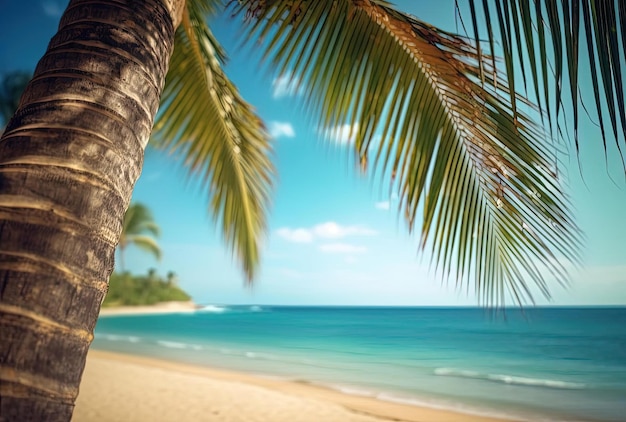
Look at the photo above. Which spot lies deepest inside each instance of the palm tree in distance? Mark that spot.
(172, 278)
(432, 112)
(139, 229)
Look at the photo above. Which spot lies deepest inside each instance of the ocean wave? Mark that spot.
(455, 407)
(264, 356)
(422, 402)
(116, 337)
(456, 373)
(410, 401)
(271, 357)
(178, 345)
(249, 354)
(510, 379)
(219, 309)
(354, 391)
(213, 309)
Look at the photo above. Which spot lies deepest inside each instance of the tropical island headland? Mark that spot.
(145, 294)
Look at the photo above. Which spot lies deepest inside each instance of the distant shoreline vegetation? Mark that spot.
(126, 289)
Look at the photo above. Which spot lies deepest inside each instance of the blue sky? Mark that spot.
(335, 236)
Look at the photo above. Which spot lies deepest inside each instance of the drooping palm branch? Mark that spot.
(204, 119)
(139, 229)
(468, 164)
(549, 33)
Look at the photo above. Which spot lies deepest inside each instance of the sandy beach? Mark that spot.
(118, 387)
(159, 308)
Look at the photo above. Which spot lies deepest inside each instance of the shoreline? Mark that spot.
(172, 307)
(129, 387)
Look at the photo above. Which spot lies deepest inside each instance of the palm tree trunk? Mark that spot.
(69, 159)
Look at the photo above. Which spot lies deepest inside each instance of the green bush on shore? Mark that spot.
(126, 289)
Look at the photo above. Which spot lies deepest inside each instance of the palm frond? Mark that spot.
(145, 243)
(204, 119)
(460, 153)
(137, 220)
(551, 32)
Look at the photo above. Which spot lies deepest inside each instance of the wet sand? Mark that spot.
(118, 387)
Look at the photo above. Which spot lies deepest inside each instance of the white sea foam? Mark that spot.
(268, 357)
(353, 391)
(457, 407)
(247, 354)
(510, 379)
(179, 345)
(456, 372)
(415, 401)
(172, 344)
(263, 356)
(116, 337)
(213, 309)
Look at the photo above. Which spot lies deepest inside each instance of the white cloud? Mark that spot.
(328, 230)
(280, 129)
(332, 230)
(52, 9)
(342, 134)
(295, 235)
(286, 85)
(342, 248)
(383, 205)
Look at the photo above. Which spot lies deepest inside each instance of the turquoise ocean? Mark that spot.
(545, 364)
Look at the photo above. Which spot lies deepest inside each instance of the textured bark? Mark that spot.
(69, 159)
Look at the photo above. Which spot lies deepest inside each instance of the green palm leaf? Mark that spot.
(138, 224)
(551, 31)
(204, 119)
(145, 243)
(138, 219)
(462, 156)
